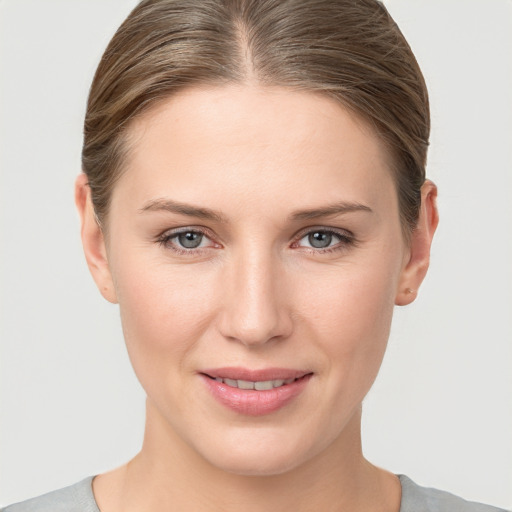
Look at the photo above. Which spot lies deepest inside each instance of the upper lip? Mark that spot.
(239, 373)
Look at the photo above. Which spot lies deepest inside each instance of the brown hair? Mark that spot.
(350, 50)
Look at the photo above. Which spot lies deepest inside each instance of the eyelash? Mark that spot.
(346, 240)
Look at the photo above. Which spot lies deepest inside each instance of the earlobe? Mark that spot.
(416, 266)
(93, 240)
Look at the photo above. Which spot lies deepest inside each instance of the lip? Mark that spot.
(251, 402)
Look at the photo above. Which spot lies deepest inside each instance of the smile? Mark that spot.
(261, 385)
(255, 392)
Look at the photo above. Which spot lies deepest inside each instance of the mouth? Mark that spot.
(258, 385)
(255, 392)
(259, 380)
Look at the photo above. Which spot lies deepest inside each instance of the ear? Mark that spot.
(418, 259)
(93, 240)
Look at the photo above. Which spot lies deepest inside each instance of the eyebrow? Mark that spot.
(332, 209)
(169, 205)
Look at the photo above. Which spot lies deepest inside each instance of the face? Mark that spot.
(254, 242)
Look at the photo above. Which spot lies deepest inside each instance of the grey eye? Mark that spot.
(190, 239)
(320, 239)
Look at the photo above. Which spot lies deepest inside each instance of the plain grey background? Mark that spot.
(441, 409)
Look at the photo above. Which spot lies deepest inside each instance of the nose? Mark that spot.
(255, 306)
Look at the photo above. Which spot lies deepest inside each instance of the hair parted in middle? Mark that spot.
(349, 50)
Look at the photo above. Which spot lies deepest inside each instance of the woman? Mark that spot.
(254, 198)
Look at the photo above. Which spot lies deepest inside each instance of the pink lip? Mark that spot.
(252, 402)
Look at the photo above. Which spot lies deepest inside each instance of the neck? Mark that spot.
(168, 474)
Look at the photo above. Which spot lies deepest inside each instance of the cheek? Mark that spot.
(351, 298)
(350, 312)
(164, 311)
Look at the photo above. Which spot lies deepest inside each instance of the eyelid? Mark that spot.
(185, 229)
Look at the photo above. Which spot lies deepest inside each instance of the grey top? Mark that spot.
(79, 498)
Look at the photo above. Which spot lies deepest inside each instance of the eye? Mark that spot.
(320, 239)
(325, 239)
(185, 240)
(190, 239)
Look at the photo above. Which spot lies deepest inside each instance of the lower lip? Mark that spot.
(255, 403)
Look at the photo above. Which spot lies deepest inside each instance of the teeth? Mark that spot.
(259, 385)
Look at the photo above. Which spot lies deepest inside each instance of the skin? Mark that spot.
(256, 294)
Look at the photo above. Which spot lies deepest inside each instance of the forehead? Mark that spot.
(258, 142)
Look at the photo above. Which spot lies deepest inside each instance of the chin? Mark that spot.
(260, 465)
(256, 454)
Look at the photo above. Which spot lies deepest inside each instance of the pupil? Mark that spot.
(320, 239)
(190, 240)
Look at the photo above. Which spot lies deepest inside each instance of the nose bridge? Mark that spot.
(254, 311)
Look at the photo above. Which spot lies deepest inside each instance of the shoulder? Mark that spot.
(75, 498)
(425, 499)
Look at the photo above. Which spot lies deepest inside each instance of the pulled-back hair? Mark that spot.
(350, 50)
